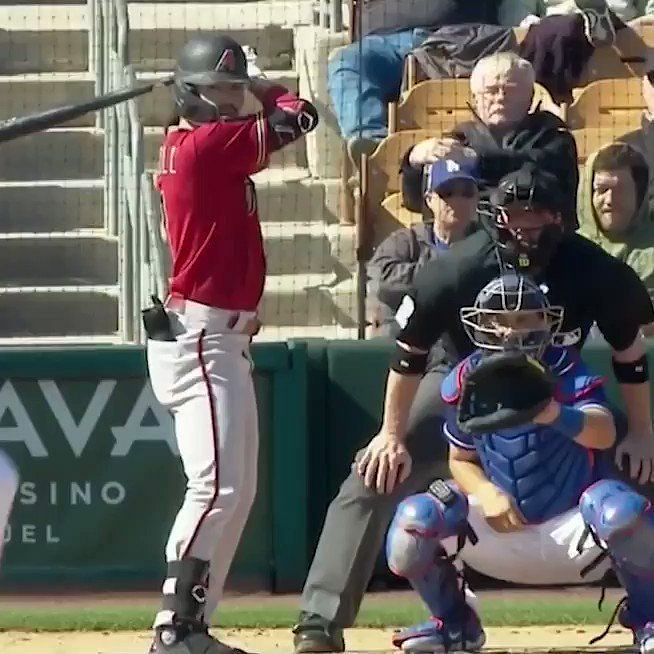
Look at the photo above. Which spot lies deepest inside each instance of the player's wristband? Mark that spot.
(631, 372)
(570, 422)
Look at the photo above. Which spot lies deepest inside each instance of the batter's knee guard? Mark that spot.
(414, 550)
(623, 520)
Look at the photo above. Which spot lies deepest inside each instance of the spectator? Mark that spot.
(503, 136)
(365, 76)
(451, 197)
(614, 207)
(643, 138)
(628, 11)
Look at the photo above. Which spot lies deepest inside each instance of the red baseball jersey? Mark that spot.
(209, 200)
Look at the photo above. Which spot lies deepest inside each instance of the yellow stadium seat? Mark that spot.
(441, 104)
(608, 103)
(380, 179)
(590, 139)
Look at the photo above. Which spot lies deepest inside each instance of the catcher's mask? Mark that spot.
(512, 313)
(525, 211)
(206, 64)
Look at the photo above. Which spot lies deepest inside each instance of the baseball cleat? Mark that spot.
(644, 638)
(167, 640)
(598, 26)
(314, 634)
(438, 637)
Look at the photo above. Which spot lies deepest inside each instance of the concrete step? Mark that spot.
(279, 333)
(157, 49)
(58, 259)
(220, 16)
(51, 206)
(77, 153)
(292, 156)
(285, 194)
(155, 108)
(296, 247)
(58, 311)
(26, 94)
(43, 38)
(296, 300)
(72, 153)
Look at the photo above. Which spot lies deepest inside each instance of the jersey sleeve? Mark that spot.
(453, 434)
(244, 145)
(422, 313)
(623, 305)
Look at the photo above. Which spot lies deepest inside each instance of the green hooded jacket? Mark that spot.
(636, 247)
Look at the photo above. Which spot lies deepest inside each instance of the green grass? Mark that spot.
(496, 612)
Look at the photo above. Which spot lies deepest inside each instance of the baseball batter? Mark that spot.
(530, 430)
(198, 340)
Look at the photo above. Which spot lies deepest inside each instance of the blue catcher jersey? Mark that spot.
(543, 470)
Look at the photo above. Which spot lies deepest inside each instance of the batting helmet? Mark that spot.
(206, 60)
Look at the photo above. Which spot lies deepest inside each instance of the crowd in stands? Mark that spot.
(447, 178)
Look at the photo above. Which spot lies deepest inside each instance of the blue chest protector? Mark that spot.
(543, 470)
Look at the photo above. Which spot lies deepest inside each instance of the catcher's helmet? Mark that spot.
(535, 191)
(512, 313)
(205, 60)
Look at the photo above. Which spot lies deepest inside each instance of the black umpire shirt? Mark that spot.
(591, 286)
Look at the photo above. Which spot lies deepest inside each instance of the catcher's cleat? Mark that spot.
(437, 636)
(643, 633)
(315, 634)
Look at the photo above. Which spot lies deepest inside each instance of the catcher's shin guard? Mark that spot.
(623, 521)
(414, 550)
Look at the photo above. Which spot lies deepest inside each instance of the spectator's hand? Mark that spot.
(440, 148)
(384, 464)
(499, 509)
(529, 20)
(640, 450)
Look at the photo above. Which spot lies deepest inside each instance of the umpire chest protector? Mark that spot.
(543, 470)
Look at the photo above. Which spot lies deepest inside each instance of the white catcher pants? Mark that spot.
(8, 488)
(205, 379)
(541, 554)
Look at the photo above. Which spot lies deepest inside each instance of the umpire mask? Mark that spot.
(525, 208)
(512, 313)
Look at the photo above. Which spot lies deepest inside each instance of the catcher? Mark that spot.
(529, 428)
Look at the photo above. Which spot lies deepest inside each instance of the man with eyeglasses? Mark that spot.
(503, 135)
(522, 230)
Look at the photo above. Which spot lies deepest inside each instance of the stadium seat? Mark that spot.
(607, 103)
(381, 179)
(590, 139)
(627, 58)
(441, 104)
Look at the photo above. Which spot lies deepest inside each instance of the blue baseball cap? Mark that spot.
(443, 171)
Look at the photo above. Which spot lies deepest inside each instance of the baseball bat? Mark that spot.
(25, 125)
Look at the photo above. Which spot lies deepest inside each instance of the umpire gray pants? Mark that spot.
(358, 518)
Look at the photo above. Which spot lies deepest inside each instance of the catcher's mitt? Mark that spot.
(504, 390)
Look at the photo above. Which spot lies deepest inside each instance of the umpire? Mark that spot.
(523, 231)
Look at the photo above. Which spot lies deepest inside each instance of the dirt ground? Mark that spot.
(274, 641)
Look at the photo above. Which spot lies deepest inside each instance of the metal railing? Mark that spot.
(132, 214)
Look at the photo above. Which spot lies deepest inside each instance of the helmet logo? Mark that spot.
(227, 62)
(452, 166)
(523, 260)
